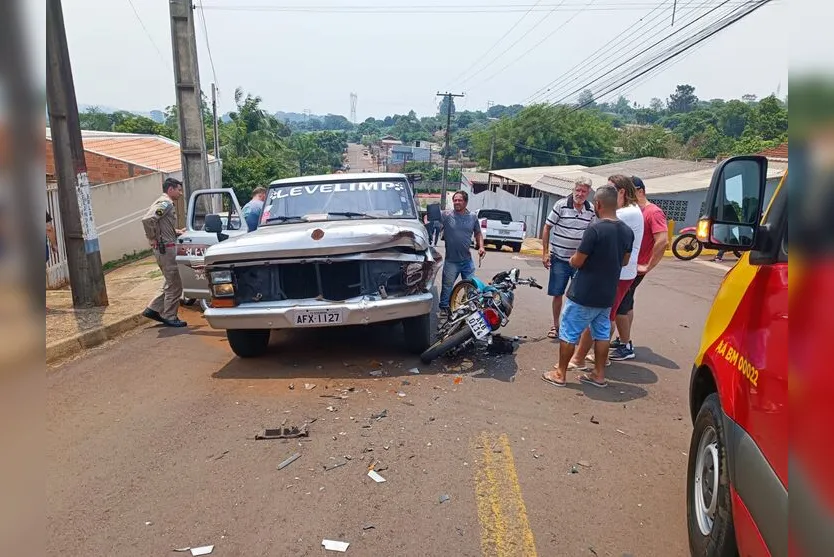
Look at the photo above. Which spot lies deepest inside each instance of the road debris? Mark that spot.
(444, 499)
(458, 380)
(334, 465)
(584, 463)
(289, 461)
(333, 545)
(574, 470)
(291, 386)
(309, 386)
(368, 527)
(383, 414)
(195, 551)
(594, 420)
(219, 456)
(282, 432)
(376, 373)
(331, 408)
(623, 432)
(375, 476)
(401, 394)
(414, 371)
(339, 397)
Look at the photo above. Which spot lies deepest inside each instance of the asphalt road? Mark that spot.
(151, 441)
(359, 162)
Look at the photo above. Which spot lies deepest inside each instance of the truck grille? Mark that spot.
(335, 281)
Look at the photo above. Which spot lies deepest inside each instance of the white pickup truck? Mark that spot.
(499, 229)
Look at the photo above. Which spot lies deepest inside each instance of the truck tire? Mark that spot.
(709, 513)
(418, 333)
(248, 343)
(516, 247)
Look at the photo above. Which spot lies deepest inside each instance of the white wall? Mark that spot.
(521, 208)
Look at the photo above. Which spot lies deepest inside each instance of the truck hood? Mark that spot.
(335, 238)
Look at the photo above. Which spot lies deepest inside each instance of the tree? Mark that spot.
(710, 143)
(142, 125)
(441, 110)
(586, 99)
(733, 117)
(749, 98)
(750, 144)
(645, 142)
(683, 99)
(543, 135)
(252, 131)
(769, 120)
(694, 123)
(656, 105)
(94, 119)
(336, 122)
(646, 116)
(311, 158)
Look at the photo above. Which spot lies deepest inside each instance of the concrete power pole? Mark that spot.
(444, 185)
(214, 121)
(80, 235)
(195, 171)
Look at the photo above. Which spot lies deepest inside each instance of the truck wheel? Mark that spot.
(248, 343)
(708, 508)
(516, 247)
(418, 333)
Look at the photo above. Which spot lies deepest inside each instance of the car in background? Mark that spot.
(499, 229)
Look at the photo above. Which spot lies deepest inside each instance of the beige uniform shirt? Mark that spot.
(160, 221)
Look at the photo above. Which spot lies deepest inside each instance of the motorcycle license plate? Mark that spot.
(478, 325)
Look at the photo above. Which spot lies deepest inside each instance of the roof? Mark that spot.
(477, 177)
(651, 167)
(153, 152)
(563, 182)
(530, 175)
(346, 177)
(407, 149)
(779, 153)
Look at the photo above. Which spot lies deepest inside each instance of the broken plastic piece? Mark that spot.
(205, 550)
(309, 386)
(458, 380)
(333, 545)
(376, 373)
(289, 461)
(284, 433)
(375, 476)
(336, 465)
(444, 499)
(383, 414)
(594, 420)
(414, 371)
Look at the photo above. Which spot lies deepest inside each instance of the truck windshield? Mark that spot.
(341, 200)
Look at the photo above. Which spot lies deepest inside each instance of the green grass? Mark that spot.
(126, 260)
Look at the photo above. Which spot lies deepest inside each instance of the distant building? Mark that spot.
(400, 154)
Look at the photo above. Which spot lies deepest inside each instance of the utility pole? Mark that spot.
(448, 96)
(195, 171)
(214, 121)
(491, 150)
(80, 235)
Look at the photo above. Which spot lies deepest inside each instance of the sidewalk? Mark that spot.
(533, 246)
(129, 290)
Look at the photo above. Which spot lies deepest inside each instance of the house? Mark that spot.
(126, 172)
(401, 154)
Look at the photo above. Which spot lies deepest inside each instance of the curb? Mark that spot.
(67, 347)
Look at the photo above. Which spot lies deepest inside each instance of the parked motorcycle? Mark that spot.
(687, 246)
(486, 309)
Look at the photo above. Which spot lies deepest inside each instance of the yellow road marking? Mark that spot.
(505, 530)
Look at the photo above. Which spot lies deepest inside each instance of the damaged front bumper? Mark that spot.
(287, 314)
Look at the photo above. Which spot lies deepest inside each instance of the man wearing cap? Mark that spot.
(655, 240)
(160, 229)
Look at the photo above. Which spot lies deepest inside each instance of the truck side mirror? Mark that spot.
(734, 204)
(214, 224)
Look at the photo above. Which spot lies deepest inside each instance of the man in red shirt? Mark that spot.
(655, 240)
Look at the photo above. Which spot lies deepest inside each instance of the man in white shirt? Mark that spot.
(629, 212)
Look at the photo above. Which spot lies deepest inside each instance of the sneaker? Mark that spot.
(616, 343)
(152, 314)
(175, 323)
(622, 353)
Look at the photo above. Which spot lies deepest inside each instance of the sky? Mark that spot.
(396, 62)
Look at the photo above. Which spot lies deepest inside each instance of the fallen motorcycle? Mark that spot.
(687, 246)
(486, 309)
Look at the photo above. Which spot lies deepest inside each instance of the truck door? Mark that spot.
(192, 245)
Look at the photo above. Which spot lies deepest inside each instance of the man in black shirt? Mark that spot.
(604, 250)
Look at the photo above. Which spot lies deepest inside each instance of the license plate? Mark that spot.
(504, 232)
(316, 317)
(478, 325)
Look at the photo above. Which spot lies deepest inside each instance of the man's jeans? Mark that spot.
(451, 270)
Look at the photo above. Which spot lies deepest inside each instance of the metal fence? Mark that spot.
(57, 271)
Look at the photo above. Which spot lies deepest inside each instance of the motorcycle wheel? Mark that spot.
(686, 247)
(463, 290)
(445, 344)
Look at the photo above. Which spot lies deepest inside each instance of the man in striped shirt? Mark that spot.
(562, 233)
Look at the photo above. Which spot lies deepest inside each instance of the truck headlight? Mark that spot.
(223, 290)
(220, 277)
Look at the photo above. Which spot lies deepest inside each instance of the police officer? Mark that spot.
(160, 229)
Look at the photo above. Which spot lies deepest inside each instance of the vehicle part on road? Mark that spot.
(594, 420)
(377, 417)
(375, 476)
(444, 499)
(333, 545)
(289, 461)
(686, 246)
(205, 550)
(709, 511)
(309, 386)
(248, 343)
(334, 466)
(283, 433)
(414, 371)
(376, 373)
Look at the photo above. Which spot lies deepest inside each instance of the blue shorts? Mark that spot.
(576, 318)
(560, 273)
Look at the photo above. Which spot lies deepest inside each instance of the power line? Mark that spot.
(521, 38)
(440, 9)
(564, 154)
(150, 38)
(490, 49)
(208, 47)
(535, 46)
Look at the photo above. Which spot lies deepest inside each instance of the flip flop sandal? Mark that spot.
(576, 367)
(553, 382)
(586, 378)
(553, 333)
